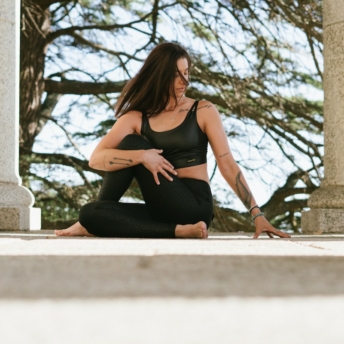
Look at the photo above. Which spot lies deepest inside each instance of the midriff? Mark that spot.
(195, 172)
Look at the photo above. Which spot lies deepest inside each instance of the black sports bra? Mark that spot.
(183, 146)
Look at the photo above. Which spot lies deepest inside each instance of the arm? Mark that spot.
(106, 157)
(229, 169)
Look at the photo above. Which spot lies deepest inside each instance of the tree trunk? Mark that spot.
(35, 26)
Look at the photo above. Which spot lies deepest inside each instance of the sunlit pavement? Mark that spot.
(227, 289)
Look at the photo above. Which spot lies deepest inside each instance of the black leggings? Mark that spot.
(181, 201)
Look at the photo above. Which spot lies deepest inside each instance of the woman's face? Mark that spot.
(183, 67)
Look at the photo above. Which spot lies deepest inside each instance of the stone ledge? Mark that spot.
(56, 277)
(296, 320)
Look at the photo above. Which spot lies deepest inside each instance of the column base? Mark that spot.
(321, 220)
(20, 218)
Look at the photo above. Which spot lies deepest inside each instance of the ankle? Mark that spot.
(178, 232)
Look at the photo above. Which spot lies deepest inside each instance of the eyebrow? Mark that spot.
(187, 69)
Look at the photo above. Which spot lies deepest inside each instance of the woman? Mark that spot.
(161, 139)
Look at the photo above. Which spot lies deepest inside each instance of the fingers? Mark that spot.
(168, 164)
(264, 226)
(282, 234)
(166, 175)
(256, 235)
(168, 167)
(155, 175)
(277, 233)
(160, 165)
(271, 234)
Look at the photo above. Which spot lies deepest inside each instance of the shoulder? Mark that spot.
(131, 119)
(206, 110)
(204, 106)
(208, 116)
(131, 115)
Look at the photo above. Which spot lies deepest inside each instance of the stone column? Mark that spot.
(327, 203)
(16, 212)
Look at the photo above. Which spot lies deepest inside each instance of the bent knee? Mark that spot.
(87, 215)
(133, 141)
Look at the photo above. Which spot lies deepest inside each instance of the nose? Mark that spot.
(181, 82)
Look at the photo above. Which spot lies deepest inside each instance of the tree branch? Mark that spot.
(81, 87)
(68, 135)
(47, 109)
(276, 204)
(60, 159)
(70, 30)
(96, 46)
(46, 3)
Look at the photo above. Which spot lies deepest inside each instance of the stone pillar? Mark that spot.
(327, 203)
(16, 212)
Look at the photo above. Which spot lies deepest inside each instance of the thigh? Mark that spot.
(116, 183)
(174, 201)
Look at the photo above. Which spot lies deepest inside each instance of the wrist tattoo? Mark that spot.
(224, 154)
(126, 162)
(244, 194)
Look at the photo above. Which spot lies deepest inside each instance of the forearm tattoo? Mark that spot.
(244, 194)
(126, 162)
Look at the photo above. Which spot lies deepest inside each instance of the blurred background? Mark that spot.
(259, 61)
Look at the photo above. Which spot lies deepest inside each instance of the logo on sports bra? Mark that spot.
(192, 160)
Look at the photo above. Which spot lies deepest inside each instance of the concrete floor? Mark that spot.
(227, 289)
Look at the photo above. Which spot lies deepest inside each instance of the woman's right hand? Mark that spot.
(156, 163)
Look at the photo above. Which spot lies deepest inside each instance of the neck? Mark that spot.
(172, 103)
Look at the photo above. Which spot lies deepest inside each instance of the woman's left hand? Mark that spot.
(263, 225)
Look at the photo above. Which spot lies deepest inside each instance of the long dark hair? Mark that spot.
(149, 91)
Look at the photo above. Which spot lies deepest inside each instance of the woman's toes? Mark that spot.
(204, 231)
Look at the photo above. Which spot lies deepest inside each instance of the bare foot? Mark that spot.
(198, 230)
(75, 230)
